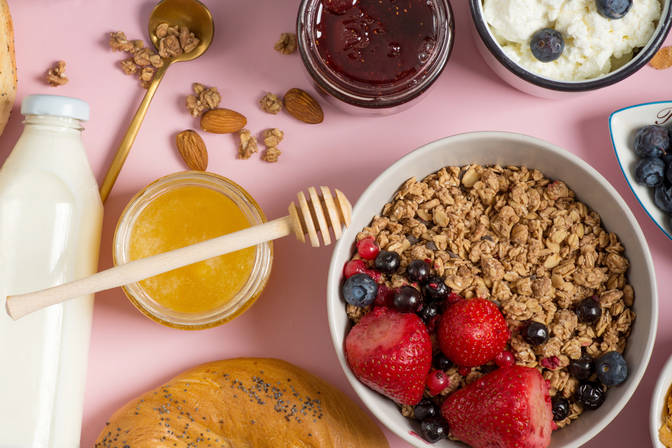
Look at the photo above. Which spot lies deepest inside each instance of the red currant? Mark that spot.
(376, 275)
(505, 359)
(437, 381)
(353, 267)
(385, 296)
(464, 371)
(367, 248)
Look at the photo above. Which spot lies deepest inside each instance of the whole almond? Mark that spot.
(303, 107)
(222, 121)
(192, 149)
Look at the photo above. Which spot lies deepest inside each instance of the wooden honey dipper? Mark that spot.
(313, 214)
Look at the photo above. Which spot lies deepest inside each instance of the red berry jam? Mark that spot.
(376, 41)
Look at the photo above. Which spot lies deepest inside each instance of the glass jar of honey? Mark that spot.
(182, 209)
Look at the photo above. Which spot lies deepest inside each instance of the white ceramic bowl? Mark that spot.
(658, 402)
(529, 82)
(508, 149)
(623, 125)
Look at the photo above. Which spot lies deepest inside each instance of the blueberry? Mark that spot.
(360, 290)
(651, 141)
(434, 429)
(425, 409)
(667, 158)
(435, 289)
(417, 271)
(387, 261)
(613, 9)
(429, 311)
(535, 333)
(581, 368)
(649, 171)
(590, 395)
(441, 362)
(560, 407)
(662, 197)
(407, 299)
(588, 310)
(611, 368)
(547, 44)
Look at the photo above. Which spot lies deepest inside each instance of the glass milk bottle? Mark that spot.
(50, 223)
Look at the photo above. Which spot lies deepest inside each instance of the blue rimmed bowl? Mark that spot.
(623, 125)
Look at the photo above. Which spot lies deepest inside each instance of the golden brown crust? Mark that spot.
(8, 77)
(245, 402)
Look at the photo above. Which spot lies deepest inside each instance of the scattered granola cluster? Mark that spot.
(203, 99)
(248, 144)
(174, 40)
(142, 61)
(272, 138)
(662, 59)
(286, 44)
(270, 103)
(56, 75)
(513, 236)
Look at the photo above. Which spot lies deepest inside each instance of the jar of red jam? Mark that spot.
(375, 54)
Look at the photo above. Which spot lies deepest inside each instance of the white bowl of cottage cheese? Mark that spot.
(549, 46)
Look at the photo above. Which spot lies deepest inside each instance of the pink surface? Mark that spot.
(129, 353)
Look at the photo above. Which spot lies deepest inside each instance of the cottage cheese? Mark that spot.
(594, 45)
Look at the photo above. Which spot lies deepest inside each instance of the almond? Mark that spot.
(303, 107)
(192, 149)
(222, 121)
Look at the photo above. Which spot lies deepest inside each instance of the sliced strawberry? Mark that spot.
(391, 353)
(507, 408)
(472, 332)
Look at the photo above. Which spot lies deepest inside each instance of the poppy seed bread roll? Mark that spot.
(245, 402)
(7, 65)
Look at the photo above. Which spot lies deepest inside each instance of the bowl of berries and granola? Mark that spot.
(492, 289)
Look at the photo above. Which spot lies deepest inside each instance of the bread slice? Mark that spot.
(8, 77)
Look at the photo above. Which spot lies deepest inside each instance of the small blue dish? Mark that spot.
(623, 124)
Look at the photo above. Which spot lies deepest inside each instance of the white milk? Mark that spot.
(50, 222)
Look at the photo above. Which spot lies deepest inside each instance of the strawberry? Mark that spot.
(472, 332)
(391, 353)
(507, 408)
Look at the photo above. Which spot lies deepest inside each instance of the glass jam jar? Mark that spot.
(374, 54)
(187, 208)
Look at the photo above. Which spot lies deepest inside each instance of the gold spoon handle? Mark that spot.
(129, 138)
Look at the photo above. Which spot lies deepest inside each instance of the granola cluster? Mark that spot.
(142, 62)
(175, 40)
(56, 75)
(286, 44)
(270, 103)
(248, 144)
(513, 236)
(203, 99)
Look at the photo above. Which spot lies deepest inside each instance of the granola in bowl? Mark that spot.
(516, 238)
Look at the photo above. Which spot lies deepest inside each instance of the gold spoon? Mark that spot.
(314, 215)
(195, 16)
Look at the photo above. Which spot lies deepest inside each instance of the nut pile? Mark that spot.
(511, 235)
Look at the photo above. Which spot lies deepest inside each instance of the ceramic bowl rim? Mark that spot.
(368, 397)
(620, 164)
(613, 77)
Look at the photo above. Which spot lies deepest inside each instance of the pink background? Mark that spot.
(129, 353)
